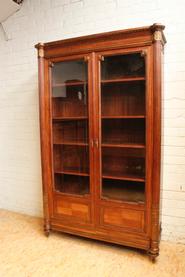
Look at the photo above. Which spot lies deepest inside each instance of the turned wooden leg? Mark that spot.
(47, 229)
(153, 251)
(152, 257)
(46, 232)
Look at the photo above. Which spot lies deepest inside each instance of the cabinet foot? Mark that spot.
(47, 233)
(153, 252)
(153, 255)
(47, 230)
(152, 258)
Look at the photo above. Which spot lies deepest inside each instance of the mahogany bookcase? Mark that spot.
(100, 125)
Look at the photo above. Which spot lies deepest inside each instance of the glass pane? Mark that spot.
(70, 127)
(126, 130)
(123, 190)
(69, 71)
(120, 66)
(72, 184)
(70, 131)
(123, 98)
(123, 127)
(71, 159)
(124, 163)
(69, 81)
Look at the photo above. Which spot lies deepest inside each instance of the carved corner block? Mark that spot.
(157, 36)
(40, 47)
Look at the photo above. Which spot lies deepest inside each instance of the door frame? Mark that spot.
(81, 199)
(147, 52)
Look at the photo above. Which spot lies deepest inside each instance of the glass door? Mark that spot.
(123, 114)
(70, 126)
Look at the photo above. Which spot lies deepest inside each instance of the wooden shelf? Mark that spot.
(121, 80)
(77, 83)
(103, 117)
(69, 118)
(75, 143)
(124, 177)
(71, 172)
(122, 116)
(123, 145)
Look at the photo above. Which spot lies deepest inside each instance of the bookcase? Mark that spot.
(100, 121)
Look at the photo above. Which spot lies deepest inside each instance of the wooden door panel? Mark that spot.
(122, 218)
(72, 210)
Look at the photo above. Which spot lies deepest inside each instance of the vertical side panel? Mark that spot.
(155, 232)
(44, 108)
(149, 135)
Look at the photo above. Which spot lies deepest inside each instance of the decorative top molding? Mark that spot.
(142, 36)
(107, 35)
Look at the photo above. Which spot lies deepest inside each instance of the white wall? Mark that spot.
(47, 20)
(8, 7)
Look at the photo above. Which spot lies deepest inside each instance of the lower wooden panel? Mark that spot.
(122, 218)
(122, 238)
(117, 225)
(72, 209)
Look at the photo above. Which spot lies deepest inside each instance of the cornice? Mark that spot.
(148, 35)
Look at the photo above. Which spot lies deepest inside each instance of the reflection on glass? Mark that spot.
(121, 66)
